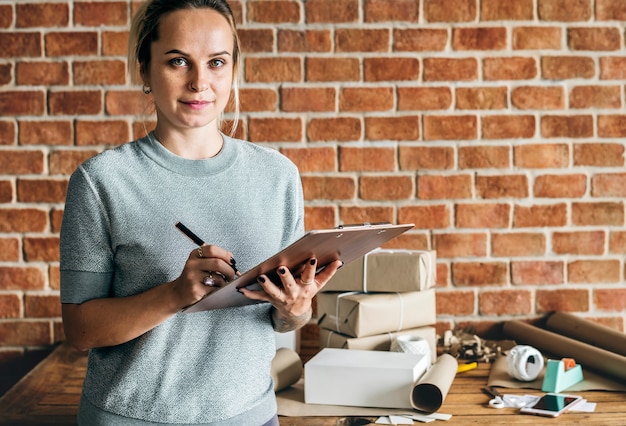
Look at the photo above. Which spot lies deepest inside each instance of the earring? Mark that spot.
(147, 89)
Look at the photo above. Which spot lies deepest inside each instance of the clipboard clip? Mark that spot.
(351, 225)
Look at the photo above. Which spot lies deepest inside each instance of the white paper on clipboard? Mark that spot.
(345, 243)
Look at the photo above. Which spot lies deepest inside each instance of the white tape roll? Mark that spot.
(524, 363)
(412, 345)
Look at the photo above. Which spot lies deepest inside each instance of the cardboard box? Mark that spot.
(362, 378)
(367, 314)
(378, 342)
(387, 271)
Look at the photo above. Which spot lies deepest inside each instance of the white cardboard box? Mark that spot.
(362, 378)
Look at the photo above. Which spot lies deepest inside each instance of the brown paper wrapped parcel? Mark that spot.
(378, 342)
(366, 314)
(385, 270)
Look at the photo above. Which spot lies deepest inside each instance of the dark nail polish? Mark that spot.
(261, 279)
(233, 264)
(313, 262)
(282, 270)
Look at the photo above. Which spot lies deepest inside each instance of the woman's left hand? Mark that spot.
(293, 297)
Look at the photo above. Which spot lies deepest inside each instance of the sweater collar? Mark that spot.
(183, 166)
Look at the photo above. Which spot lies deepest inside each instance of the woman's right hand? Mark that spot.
(207, 269)
(112, 321)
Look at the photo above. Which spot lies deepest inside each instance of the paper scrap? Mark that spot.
(394, 420)
(423, 419)
(434, 416)
(584, 406)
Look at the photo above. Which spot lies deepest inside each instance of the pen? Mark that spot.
(193, 237)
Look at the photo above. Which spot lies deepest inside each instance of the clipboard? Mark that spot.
(345, 243)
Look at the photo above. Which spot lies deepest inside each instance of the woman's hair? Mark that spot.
(145, 30)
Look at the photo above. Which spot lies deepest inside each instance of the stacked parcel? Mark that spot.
(372, 301)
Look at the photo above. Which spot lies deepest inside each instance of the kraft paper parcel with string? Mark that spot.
(378, 342)
(367, 314)
(387, 271)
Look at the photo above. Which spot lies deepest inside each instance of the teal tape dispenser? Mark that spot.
(561, 375)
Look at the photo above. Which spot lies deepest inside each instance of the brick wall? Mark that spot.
(496, 126)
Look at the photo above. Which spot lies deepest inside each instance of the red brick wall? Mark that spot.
(496, 126)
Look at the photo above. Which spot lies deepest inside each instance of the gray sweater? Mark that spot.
(118, 238)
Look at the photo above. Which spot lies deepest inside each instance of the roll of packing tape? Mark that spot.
(524, 363)
(412, 345)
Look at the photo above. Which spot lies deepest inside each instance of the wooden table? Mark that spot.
(49, 395)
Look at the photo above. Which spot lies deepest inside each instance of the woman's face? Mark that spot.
(191, 69)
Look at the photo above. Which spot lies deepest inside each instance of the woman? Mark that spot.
(127, 272)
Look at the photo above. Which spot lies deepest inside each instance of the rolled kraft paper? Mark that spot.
(431, 390)
(599, 360)
(286, 368)
(586, 331)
